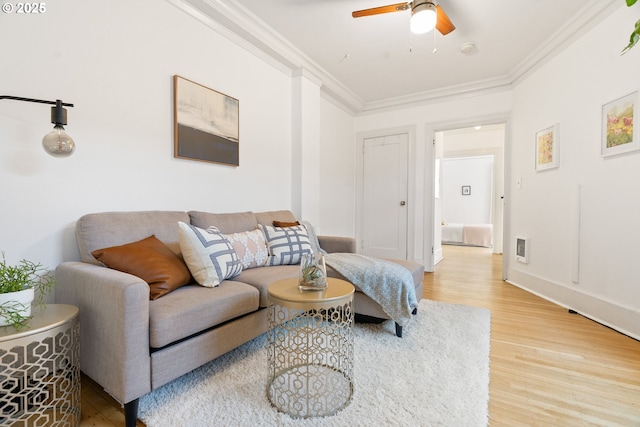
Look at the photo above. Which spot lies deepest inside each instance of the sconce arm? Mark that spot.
(39, 101)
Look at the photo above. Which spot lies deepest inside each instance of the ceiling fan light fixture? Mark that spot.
(423, 17)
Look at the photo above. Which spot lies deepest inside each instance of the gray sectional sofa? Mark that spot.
(131, 344)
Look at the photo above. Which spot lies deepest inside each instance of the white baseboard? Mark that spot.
(437, 256)
(625, 320)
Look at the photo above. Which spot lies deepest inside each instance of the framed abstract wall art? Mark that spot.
(206, 124)
(618, 133)
(547, 149)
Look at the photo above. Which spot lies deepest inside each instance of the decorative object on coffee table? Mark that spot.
(40, 368)
(313, 272)
(310, 348)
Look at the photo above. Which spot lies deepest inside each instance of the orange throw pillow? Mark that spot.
(285, 224)
(149, 259)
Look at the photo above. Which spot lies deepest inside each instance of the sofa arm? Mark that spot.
(333, 244)
(114, 326)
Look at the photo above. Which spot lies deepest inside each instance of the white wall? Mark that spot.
(475, 172)
(570, 90)
(115, 61)
(337, 174)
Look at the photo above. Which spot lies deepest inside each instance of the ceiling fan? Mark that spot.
(425, 15)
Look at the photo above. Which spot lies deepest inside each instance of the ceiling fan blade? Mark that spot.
(444, 24)
(398, 7)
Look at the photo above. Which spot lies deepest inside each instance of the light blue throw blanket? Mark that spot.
(387, 283)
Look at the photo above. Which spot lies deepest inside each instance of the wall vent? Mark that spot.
(522, 249)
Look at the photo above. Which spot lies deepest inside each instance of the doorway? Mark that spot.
(469, 159)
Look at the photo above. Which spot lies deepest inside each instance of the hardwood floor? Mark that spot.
(548, 367)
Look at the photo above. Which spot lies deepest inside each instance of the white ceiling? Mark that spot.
(375, 61)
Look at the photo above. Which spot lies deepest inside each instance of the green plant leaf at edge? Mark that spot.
(633, 40)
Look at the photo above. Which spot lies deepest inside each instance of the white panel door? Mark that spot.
(385, 175)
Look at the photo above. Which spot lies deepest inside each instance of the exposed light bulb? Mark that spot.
(58, 143)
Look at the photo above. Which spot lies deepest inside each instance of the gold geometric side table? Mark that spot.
(40, 369)
(310, 351)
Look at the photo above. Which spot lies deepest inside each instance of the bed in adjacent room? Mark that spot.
(468, 234)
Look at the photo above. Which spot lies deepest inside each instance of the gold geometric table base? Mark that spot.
(40, 371)
(310, 351)
(310, 391)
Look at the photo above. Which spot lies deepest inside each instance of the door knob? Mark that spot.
(402, 203)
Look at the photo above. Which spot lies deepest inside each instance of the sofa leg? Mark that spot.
(399, 328)
(131, 413)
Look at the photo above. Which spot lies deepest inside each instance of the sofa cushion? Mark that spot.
(286, 244)
(227, 223)
(149, 259)
(106, 229)
(251, 248)
(192, 309)
(209, 254)
(262, 277)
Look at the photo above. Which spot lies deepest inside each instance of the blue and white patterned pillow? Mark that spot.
(286, 244)
(208, 254)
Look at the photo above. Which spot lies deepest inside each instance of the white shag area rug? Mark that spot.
(436, 375)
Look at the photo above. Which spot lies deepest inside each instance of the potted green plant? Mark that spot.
(635, 34)
(18, 286)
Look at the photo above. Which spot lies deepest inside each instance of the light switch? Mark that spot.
(519, 183)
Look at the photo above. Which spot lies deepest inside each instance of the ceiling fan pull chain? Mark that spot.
(410, 42)
(435, 49)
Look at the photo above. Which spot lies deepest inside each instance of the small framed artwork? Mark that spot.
(618, 133)
(466, 190)
(547, 149)
(206, 124)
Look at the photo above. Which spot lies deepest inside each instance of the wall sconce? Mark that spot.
(57, 142)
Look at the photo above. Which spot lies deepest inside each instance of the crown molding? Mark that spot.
(242, 27)
(589, 16)
(594, 12)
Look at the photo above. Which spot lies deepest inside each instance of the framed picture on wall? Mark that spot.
(206, 123)
(547, 149)
(466, 190)
(618, 133)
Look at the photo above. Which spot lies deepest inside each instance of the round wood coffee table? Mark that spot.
(310, 348)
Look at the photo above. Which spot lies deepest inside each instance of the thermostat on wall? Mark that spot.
(522, 249)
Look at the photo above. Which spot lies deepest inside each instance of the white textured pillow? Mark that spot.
(251, 248)
(286, 244)
(208, 254)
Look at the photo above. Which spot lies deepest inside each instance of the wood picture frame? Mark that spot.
(547, 149)
(618, 133)
(206, 123)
